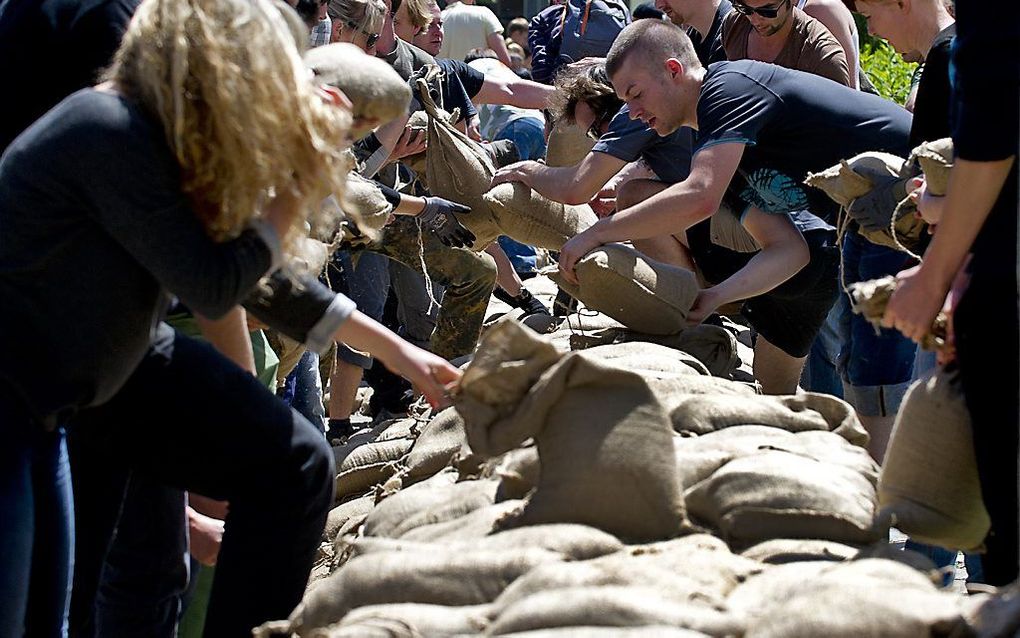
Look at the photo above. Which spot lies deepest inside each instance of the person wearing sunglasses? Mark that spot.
(782, 34)
(356, 21)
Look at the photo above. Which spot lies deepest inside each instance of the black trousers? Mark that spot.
(189, 419)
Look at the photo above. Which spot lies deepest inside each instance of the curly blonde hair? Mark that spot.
(241, 115)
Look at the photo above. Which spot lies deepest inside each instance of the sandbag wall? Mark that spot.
(607, 486)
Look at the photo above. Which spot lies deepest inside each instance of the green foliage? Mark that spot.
(887, 71)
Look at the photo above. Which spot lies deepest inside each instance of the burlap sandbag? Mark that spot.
(434, 577)
(714, 348)
(339, 515)
(545, 578)
(459, 170)
(530, 218)
(650, 360)
(477, 524)
(407, 509)
(870, 597)
(645, 631)
(612, 607)
(364, 466)
(698, 457)
(574, 542)
(780, 551)
(641, 293)
(870, 298)
(366, 199)
(779, 494)
(377, 93)
(456, 501)
(436, 446)
(726, 230)
(568, 145)
(517, 472)
(929, 482)
(936, 160)
(705, 413)
(407, 620)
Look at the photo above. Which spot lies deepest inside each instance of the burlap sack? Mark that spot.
(574, 542)
(434, 577)
(339, 515)
(459, 170)
(780, 551)
(478, 524)
(698, 457)
(611, 607)
(509, 360)
(870, 298)
(642, 294)
(395, 510)
(407, 620)
(456, 501)
(935, 159)
(726, 230)
(714, 348)
(701, 558)
(856, 176)
(517, 472)
(646, 631)
(436, 446)
(568, 144)
(364, 466)
(870, 597)
(701, 414)
(546, 578)
(526, 216)
(779, 494)
(929, 482)
(377, 93)
(366, 199)
(650, 360)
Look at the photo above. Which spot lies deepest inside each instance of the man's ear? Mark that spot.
(335, 96)
(675, 68)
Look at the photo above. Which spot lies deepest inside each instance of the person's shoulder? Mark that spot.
(419, 56)
(812, 31)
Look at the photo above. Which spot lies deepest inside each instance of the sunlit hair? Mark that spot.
(240, 113)
(365, 15)
(583, 81)
(651, 42)
(419, 13)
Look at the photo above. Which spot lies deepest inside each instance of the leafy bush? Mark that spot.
(887, 71)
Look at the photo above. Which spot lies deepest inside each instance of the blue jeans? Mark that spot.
(528, 134)
(945, 557)
(37, 529)
(821, 371)
(302, 390)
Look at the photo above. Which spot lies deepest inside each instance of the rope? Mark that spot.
(424, 269)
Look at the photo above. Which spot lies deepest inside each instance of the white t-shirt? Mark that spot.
(467, 27)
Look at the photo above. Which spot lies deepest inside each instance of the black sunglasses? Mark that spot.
(765, 12)
(370, 38)
(595, 130)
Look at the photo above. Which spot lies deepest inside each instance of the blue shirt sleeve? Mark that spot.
(626, 139)
(732, 108)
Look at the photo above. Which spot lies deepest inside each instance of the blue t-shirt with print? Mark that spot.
(792, 124)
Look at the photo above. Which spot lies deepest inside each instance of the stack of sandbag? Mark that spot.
(641, 293)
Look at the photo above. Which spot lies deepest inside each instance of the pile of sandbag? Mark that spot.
(615, 490)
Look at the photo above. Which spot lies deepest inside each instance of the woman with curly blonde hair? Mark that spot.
(186, 173)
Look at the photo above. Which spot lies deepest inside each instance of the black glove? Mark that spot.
(438, 217)
(874, 211)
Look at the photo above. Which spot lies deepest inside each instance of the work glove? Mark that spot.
(874, 211)
(438, 217)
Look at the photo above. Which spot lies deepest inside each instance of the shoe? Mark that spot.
(339, 429)
(525, 301)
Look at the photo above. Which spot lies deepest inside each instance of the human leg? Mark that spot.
(777, 371)
(669, 249)
(232, 441)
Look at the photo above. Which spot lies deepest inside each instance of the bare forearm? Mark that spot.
(766, 270)
(528, 95)
(362, 333)
(972, 191)
(672, 211)
(229, 335)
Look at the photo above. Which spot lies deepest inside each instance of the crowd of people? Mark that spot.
(170, 381)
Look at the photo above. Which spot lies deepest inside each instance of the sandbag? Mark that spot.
(705, 413)
(434, 577)
(339, 515)
(612, 607)
(377, 93)
(530, 218)
(574, 542)
(929, 484)
(936, 160)
(394, 511)
(436, 446)
(367, 465)
(870, 597)
(778, 494)
(870, 298)
(780, 551)
(368, 202)
(649, 360)
(639, 292)
(517, 472)
(407, 620)
(726, 230)
(455, 501)
(459, 170)
(568, 144)
(477, 524)
(645, 631)
(698, 457)
(714, 348)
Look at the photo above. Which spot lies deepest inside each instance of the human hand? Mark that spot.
(438, 217)
(705, 304)
(572, 251)
(929, 206)
(205, 535)
(472, 129)
(432, 376)
(916, 301)
(410, 142)
(516, 172)
(604, 202)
